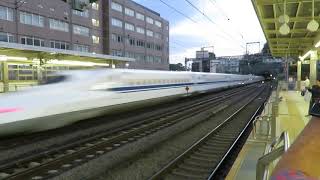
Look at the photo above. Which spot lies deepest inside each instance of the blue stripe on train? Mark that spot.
(129, 89)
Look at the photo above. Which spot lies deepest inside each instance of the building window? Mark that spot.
(131, 41)
(6, 13)
(140, 43)
(149, 20)
(95, 22)
(59, 45)
(167, 39)
(129, 54)
(58, 25)
(157, 35)
(158, 47)
(129, 12)
(116, 22)
(116, 53)
(158, 23)
(6, 37)
(157, 59)
(129, 26)
(31, 19)
(167, 28)
(81, 30)
(32, 41)
(22, 72)
(95, 39)
(149, 33)
(140, 16)
(116, 38)
(149, 59)
(81, 48)
(150, 45)
(95, 6)
(139, 57)
(116, 6)
(140, 30)
(84, 13)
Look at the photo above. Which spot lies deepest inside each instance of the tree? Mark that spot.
(177, 67)
(82, 4)
(265, 49)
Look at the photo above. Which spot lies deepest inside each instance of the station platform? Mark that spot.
(290, 117)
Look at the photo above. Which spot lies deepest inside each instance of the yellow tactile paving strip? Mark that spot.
(293, 109)
(238, 162)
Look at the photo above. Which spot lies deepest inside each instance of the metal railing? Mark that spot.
(264, 129)
(15, 87)
(273, 153)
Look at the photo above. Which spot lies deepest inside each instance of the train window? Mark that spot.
(53, 80)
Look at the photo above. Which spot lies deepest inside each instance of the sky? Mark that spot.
(231, 24)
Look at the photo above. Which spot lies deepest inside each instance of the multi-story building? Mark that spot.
(115, 27)
(137, 32)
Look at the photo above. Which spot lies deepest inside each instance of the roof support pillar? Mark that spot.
(299, 75)
(313, 67)
(5, 77)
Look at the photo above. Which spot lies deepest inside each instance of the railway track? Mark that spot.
(204, 158)
(56, 161)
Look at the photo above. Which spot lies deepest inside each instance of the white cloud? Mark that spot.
(224, 35)
(179, 57)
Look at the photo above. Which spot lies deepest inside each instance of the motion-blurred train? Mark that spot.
(77, 95)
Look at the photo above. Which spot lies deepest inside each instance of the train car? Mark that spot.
(79, 95)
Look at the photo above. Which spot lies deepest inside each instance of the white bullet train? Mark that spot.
(77, 95)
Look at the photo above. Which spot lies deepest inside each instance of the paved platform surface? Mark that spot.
(293, 109)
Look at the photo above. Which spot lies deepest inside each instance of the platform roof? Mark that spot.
(300, 40)
(35, 52)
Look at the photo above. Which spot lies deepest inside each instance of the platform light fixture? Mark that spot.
(284, 28)
(3, 58)
(302, 58)
(76, 63)
(313, 25)
(6, 58)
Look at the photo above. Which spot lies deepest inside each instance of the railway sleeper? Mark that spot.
(189, 175)
(206, 151)
(215, 143)
(193, 170)
(201, 160)
(226, 136)
(197, 168)
(216, 147)
(199, 164)
(206, 155)
(217, 140)
(179, 177)
(212, 150)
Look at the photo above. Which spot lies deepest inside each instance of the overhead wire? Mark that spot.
(208, 18)
(177, 11)
(181, 13)
(214, 3)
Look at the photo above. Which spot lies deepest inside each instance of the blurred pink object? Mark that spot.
(7, 110)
